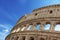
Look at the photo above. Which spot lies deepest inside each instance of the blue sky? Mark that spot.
(12, 10)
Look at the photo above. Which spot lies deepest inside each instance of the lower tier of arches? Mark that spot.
(34, 35)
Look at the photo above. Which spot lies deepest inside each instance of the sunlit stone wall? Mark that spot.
(42, 24)
(39, 26)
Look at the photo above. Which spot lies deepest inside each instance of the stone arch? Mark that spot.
(54, 39)
(42, 39)
(30, 27)
(31, 38)
(47, 26)
(17, 38)
(57, 22)
(23, 38)
(12, 38)
(38, 25)
(57, 26)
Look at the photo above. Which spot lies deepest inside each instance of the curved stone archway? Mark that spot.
(31, 27)
(42, 39)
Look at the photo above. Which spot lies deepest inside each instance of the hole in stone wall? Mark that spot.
(37, 27)
(23, 28)
(42, 39)
(17, 38)
(47, 26)
(12, 38)
(57, 9)
(23, 38)
(57, 27)
(54, 39)
(31, 38)
(30, 27)
(35, 14)
(51, 11)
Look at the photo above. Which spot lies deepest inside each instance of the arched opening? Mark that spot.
(51, 11)
(14, 31)
(23, 38)
(37, 26)
(35, 14)
(12, 38)
(42, 39)
(18, 29)
(30, 27)
(23, 28)
(31, 38)
(57, 27)
(47, 26)
(17, 38)
(54, 39)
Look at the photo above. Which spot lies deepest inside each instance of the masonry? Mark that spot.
(25, 29)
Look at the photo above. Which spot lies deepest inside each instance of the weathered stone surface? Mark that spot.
(42, 16)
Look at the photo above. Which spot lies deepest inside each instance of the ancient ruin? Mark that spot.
(34, 26)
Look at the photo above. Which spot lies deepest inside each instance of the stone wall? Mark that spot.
(42, 16)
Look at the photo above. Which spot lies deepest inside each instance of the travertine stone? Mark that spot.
(52, 26)
(42, 26)
(34, 26)
(45, 15)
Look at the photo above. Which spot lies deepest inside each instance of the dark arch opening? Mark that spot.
(13, 38)
(23, 38)
(42, 39)
(36, 14)
(58, 23)
(17, 38)
(47, 22)
(31, 38)
(54, 39)
(51, 11)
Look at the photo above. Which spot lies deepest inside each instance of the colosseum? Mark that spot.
(41, 24)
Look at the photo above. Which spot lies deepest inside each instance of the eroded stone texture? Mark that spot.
(25, 29)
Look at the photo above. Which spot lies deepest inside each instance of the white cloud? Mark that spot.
(6, 26)
(5, 31)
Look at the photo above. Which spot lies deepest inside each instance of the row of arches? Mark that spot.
(24, 38)
(30, 38)
(38, 26)
(46, 26)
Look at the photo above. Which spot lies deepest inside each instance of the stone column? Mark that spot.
(34, 26)
(42, 26)
(16, 37)
(27, 38)
(52, 26)
(20, 38)
(26, 27)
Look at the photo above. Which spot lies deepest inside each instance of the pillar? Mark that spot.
(34, 26)
(27, 26)
(42, 26)
(27, 38)
(20, 38)
(52, 26)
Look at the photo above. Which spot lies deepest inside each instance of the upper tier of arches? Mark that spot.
(43, 26)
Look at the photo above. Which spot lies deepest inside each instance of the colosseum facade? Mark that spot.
(34, 26)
